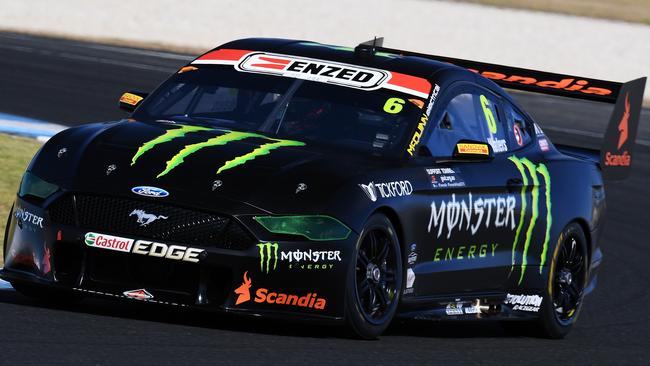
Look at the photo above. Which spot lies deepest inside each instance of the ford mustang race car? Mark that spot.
(295, 179)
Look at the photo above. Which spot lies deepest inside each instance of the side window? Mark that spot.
(490, 117)
(519, 129)
(458, 121)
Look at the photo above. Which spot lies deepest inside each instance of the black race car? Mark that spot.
(295, 179)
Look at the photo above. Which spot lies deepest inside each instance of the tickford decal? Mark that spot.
(220, 140)
(527, 168)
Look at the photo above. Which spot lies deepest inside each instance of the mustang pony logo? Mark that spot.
(220, 140)
(144, 218)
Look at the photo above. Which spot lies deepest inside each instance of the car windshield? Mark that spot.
(375, 122)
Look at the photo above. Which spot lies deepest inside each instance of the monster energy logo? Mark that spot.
(268, 252)
(524, 165)
(220, 140)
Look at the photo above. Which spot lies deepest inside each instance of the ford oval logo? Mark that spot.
(150, 191)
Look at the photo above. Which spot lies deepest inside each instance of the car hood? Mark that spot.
(206, 167)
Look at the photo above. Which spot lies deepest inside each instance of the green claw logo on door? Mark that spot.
(220, 140)
(527, 168)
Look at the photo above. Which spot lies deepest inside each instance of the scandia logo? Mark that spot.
(263, 295)
(220, 140)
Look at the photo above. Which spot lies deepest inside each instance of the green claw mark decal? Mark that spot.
(220, 140)
(535, 208)
(167, 136)
(522, 216)
(525, 166)
(541, 169)
(179, 158)
(262, 150)
(271, 250)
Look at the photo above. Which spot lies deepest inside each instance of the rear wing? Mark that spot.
(618, 144)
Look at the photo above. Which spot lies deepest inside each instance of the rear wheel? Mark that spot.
(566, 283)
(375, 282)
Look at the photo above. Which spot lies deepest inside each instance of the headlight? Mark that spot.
(32, 185)
(314, 227)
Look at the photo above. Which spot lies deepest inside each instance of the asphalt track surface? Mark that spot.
(72, 82)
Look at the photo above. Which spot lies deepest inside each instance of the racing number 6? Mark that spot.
(394, 105)
(492, 124)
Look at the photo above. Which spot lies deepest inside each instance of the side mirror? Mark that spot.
(129, 101)
(469, 150)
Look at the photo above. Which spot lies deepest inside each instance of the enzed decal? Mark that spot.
(469, 214)
(525, 166)
(530, 303)
(323, 71)
(227, 137)
(296, 259)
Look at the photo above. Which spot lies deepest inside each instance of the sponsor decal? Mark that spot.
(445, 178)
(619, 158)
(220, 140)
(473, 149)
(330, 72)
(216, 184)
(498, 145)
(263, 295)
(387, 190)
(63, 152)
(150, 191)
(529, 303)
(467, 214)
(296, 259)
(25, 217)
(413, 255)
(160, 250)
(473, 309)
(130, 99)
(432, 100)
(417, 135)
(518, 137)
(467, 252)
(538, 130)
(140, 294)
(454, 308)
(543, 144)
(301, 187)
(527, 168)
(144, 218)
(569, 84)
(111, 168)
(110, 242)
(244, 291)
(410, 280)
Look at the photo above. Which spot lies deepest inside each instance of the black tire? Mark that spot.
(565, 285)
(6, 235)
(46, 294)
(374, 280)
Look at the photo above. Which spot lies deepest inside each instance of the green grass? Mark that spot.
(15, 154)
(637, 11)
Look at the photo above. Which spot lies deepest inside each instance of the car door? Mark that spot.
(474, 209)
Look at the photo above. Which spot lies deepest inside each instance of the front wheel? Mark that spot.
(374, 283)
(566, 284)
